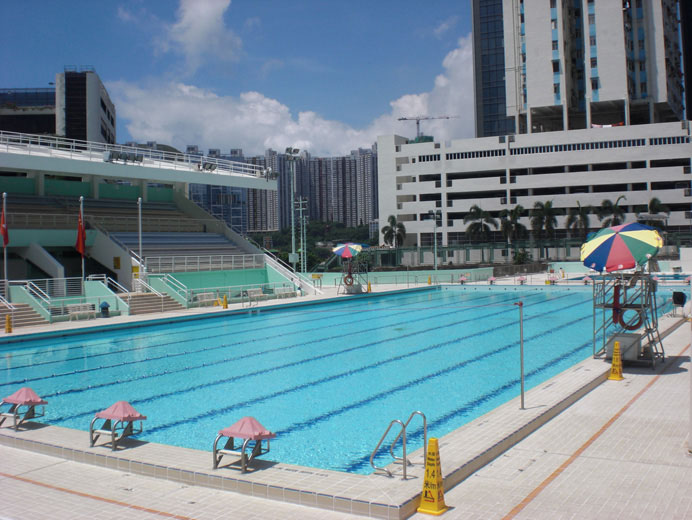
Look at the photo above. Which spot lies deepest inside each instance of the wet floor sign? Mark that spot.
(432, 500)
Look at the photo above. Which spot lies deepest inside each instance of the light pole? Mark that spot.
(291, 156)
(139, 234)
(520, 304)
(437, 215)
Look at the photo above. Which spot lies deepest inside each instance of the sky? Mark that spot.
(324, 76)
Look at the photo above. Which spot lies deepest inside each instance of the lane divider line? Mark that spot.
(96, 497)
(529, 498)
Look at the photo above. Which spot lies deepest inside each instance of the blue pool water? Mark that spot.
(327, 378)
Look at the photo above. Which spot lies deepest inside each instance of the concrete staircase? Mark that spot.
(146, 303)
(24, 316)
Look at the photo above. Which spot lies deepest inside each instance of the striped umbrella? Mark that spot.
(347, 250)
(621, 247)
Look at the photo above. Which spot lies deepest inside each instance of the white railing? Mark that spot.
(174, 264)
(60, 147)
(141, 286)
(306, 285)
(239, 293)
(177, 286)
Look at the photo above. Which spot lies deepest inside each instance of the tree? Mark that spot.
(578, 220)
(480, 227)
(657, 215)
(610, 213)
(481, 223)
(544, 219)
(509, 224)
(394, 233)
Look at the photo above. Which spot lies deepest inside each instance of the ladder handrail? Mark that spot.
(37, 291)
(372, 455)
(425, 436)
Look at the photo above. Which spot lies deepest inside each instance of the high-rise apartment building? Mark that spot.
(574, 64)
(489, 69)
(595, 87)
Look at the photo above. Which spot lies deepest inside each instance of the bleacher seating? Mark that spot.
(178, 244)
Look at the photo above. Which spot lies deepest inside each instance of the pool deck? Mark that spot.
(583, 447)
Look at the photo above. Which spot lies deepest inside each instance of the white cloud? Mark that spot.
(200, 34)
(445, 26)
(179, 114)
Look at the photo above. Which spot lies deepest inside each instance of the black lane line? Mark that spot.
(469, 406)
(330, 378)
(184, 353)
(264, 371)
(240, 316)
(195, 352)
(187, 340)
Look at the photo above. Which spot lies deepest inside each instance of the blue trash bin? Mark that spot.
(105, 313)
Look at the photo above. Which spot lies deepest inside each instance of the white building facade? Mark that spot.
(568, 168)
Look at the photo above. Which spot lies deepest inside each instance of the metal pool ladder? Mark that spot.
(402, 435)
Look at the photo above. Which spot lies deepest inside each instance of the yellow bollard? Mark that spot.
(616, 367)
(369, 287)
(225, 301)
(8, 323)
(429, 280)
(432, 500)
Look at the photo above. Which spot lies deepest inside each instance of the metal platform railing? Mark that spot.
(60, 147)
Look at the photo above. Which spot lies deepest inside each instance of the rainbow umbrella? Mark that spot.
(347, 250)
(621, 247)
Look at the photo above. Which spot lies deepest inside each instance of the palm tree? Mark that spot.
(655, 216)
(578, 220)
(509, 224)
(611, 214)
(480, 227)
(544, 218)
(394, 233)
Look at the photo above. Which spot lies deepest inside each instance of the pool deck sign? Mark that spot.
(432, 499)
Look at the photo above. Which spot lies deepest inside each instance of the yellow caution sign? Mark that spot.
(432, 500)
(616, 366)
(225, 301)
(8, 323)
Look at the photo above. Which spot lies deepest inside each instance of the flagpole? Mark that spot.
(4, 246)
(81, 220)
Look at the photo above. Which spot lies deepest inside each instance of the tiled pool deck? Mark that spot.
(275, 490)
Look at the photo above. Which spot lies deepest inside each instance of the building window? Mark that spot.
(592, 19)
(556, 88)
(553, 23)
(594, 63)
(594, 83)
(555, 45)
(552, 4)
(641, 45)
(556, 66)
(592, 41)
(642, 87)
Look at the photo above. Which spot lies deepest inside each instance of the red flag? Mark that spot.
(81, 236)
(3, 229)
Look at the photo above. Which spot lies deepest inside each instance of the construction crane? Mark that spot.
(418, 119)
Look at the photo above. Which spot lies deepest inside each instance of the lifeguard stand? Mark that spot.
(625, 310)
(354, 278)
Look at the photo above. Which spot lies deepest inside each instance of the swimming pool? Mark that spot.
(327, 378)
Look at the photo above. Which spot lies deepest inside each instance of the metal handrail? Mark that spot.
(176, 285)
(141, 283)
(425, 437)
(108, 281)
(95, 151)
(372, 455)
(196, 263)
(36, 291)
(7, 304)
(303, 282)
